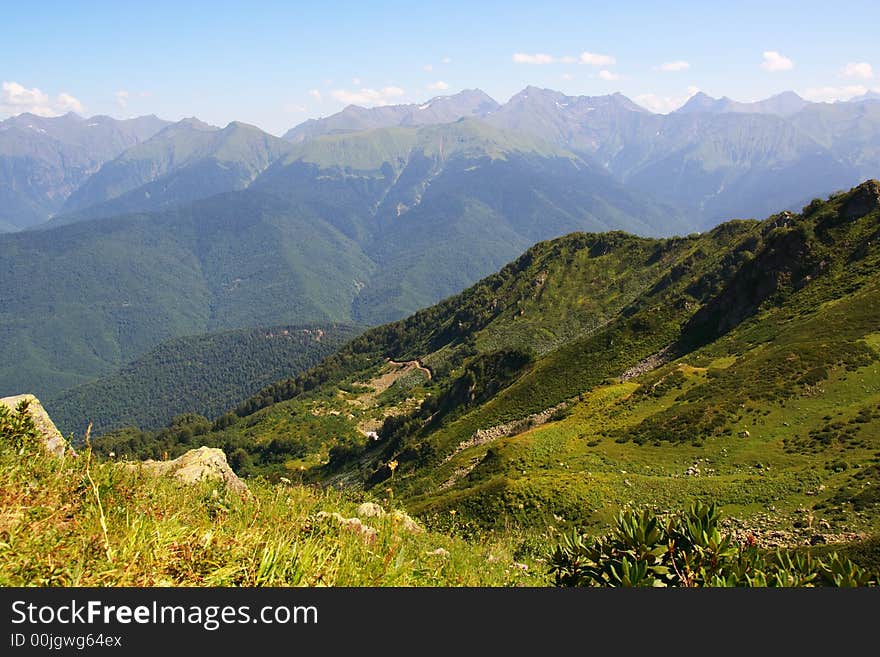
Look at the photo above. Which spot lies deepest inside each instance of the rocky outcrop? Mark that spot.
(53, 441)
(863, 200)
(400, 518)
(483, 436)
(202, 464)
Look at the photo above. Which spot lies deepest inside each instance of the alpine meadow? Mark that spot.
(411, 332)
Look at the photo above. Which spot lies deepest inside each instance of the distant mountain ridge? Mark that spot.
(784, 104)
(440, 109)
(709, 158)
(184, 162)
(44, 160)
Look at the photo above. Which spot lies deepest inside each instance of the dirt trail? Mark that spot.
(415, 364)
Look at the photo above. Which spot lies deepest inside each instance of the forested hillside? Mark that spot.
(202, 374)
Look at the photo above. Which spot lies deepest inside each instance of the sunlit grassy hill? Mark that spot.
(599, 371)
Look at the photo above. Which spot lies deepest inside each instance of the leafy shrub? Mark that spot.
(17, 428)
(688, 549)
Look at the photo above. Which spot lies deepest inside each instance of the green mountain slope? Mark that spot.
(438, 207)
(44, 160)
(360, 228)
(596, 371)
(203, 374)
(184, 162)
(81, 300)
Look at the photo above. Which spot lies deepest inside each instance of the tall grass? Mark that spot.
(79, 522)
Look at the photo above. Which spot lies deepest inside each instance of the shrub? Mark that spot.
(17, 428)
(688, 549)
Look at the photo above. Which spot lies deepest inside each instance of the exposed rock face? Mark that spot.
(204, 463)
(864, 199)
(52, 439)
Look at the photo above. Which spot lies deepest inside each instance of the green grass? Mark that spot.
(159, 533)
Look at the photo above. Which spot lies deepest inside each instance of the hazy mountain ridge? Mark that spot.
(714, 159)
(711, 153)
(440, 109)
(44, 160)
(184, 162)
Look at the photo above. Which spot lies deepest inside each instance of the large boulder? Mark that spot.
(52, 439)
(204, 463)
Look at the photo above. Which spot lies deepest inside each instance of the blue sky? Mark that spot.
(275, 64)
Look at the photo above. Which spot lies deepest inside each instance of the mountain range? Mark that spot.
(712, 158)
(150, 231)
(44, 160)
(358, 228)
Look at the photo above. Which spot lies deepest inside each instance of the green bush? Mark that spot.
(688, 549)
(17, 428)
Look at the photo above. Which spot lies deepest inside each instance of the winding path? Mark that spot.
(417, 364)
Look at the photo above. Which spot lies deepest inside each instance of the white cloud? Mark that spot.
(543, 58)
(832, 94)
(665, 104)
(446, 60)
(356, 82)
(608, 75)
(673, 67)
(314, 93)
(774, 62)
(16, 98)
(858, 70)
(439, 85)
(597, 60)
(428, 68)
(67, 103)
(122, 98)
(365, 96)
(537, 58)
(294, 108)
(567, 76)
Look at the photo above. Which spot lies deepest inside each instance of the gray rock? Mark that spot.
(202, 464)
(370, 510)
